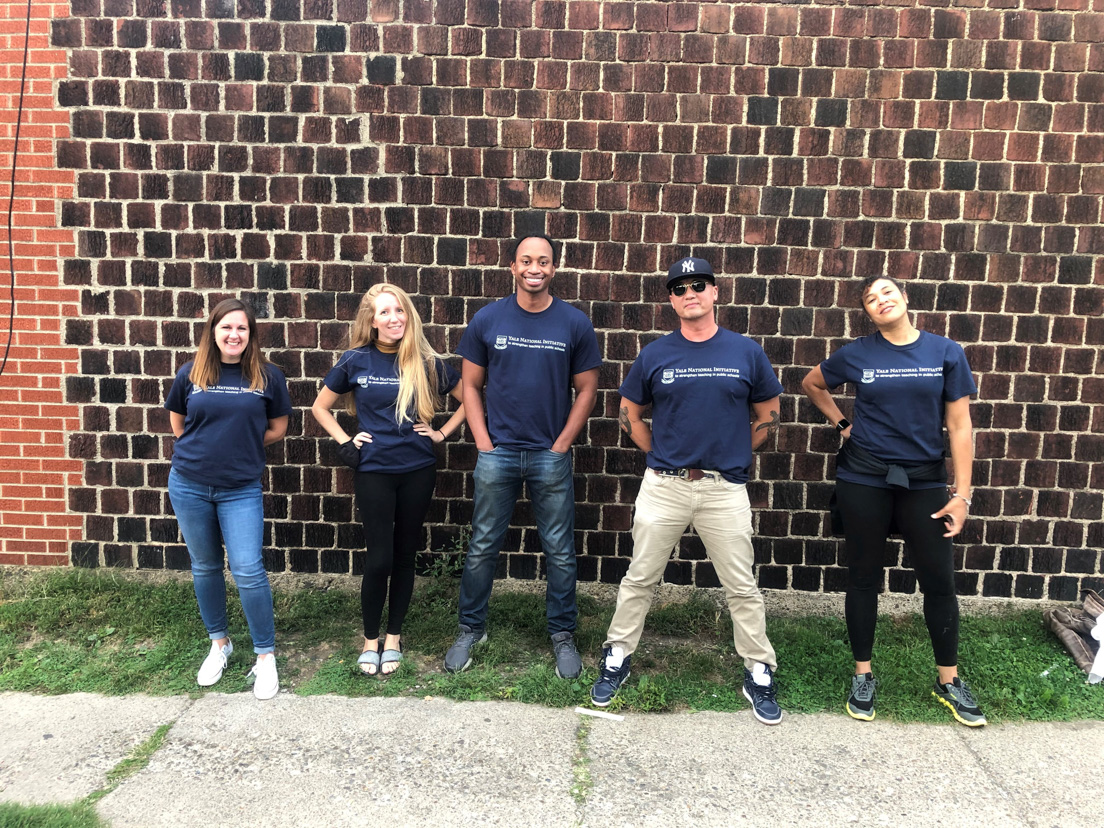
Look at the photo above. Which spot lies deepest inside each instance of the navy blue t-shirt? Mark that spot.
(530, 360)
(701, 395)
(373, 377)
(900, 393)
(223, 440)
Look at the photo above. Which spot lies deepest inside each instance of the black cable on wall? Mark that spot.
(11, 195)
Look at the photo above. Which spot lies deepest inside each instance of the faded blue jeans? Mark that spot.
(209, 516)
(498, 478)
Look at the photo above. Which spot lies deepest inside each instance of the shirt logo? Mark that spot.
(362, 381)
(668, 376)
(868, 375)
(500, 343)
(688, 266)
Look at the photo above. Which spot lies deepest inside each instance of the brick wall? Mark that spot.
(35, 469)
(297, 151)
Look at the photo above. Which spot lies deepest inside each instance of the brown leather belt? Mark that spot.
(685, 474)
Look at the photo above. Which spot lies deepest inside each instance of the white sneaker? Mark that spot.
(266, 683)
(211, 669)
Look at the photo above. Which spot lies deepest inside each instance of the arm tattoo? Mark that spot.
(772, 426)
(623, 419)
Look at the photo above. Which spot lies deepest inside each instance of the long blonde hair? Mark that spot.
(205, 368)
(418, 398)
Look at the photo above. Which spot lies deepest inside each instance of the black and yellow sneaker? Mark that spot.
(964, 707)
(860, 704)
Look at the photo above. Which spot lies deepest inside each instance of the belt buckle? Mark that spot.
(683, 473)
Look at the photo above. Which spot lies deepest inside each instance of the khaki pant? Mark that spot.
(720, 513)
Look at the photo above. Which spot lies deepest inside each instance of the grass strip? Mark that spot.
(83, 814)
(582, 781)
(72, 630)
(138, 759)
(78, 815)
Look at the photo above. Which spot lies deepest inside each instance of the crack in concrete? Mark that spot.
(582, 781)
(137, 760)
(995, 780)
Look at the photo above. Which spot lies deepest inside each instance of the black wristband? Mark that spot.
(349, 454)
(843, 424)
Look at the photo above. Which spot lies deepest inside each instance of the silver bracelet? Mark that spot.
(965, 500)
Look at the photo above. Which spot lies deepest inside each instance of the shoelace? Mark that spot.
(611, 673)
(865, 691)
(767, 692)
(566, 644)
(964, 694)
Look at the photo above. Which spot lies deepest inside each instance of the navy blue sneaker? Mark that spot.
(613, 672)
(761, 696)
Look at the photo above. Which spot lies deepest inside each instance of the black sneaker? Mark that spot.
(860, 704)
(610, 678)
(763, 704)
(964, 707)
(568, 662)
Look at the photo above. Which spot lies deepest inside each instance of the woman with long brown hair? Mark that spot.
(225, 406)
(397, 381)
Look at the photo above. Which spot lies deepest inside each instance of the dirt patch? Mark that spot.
(303, 662)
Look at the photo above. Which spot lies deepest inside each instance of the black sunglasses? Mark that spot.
(698, 286)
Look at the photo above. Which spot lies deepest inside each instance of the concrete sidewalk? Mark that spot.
(332, 761)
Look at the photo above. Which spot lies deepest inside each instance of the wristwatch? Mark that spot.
(842, 424)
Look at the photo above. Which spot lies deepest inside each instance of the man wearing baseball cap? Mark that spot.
(714, 398)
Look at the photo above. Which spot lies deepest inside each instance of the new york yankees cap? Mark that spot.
(688, 268)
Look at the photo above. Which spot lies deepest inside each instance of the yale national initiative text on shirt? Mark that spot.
(226, 389)
(504, 341)
(870, 375)
(364, 380)
(669, 375)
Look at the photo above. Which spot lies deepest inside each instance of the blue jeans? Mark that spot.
(208, 517)
(498, 478)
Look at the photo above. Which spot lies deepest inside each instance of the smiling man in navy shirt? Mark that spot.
(714, 398)
(529, 351)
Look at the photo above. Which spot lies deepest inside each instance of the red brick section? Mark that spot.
(36, 525)
(298, 151)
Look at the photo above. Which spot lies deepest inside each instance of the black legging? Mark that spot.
(392, 509)
(866, 513)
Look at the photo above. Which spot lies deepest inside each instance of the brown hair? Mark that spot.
(206, 366)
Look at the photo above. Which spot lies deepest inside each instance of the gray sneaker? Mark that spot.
(860, 704)
(458, 658)
(964, 707)
(568, 663)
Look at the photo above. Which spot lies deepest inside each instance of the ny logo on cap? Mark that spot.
(688, 266)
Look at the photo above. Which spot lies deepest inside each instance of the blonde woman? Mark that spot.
(225, 406)
(397, 381)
